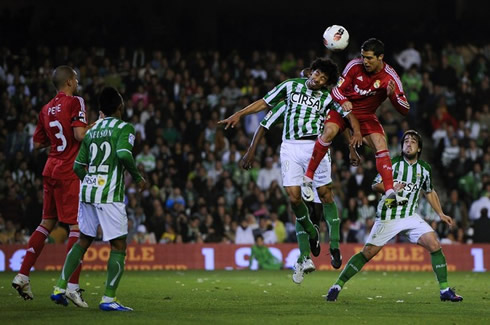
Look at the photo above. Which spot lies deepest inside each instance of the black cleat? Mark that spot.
(315, 243)
(335, 258)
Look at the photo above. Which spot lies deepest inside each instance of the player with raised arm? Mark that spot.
(105, 154)
(365, 83)
(307, 102)
(411, 175)
(62, 125)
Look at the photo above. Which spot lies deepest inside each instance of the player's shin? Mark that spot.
(330, 212)
(35, 247)
(303, 217)
(353, 266)
(319, 151)
(385, 169)
(439, 266)
(303, 242)
(72, 239)
(72, 262)
(115, 269)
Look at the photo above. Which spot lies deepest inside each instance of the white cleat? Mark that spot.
(300, 269)
(23, 286)
(76, 297)
(308, 266)
(307, 189)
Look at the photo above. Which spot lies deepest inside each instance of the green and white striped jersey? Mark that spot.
(304, 109)
(104, 178)
(416, 177)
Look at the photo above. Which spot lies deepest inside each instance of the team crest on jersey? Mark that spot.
(377, 83)
(101, 180)
(340, 81)
(131, 139)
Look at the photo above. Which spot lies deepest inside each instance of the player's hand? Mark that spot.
(347, 106)
(354, 158)
(141, 185)
(356, 140)
(248, 159)
(230, 121)
(390, 90)
(397, 187)
(447, 219)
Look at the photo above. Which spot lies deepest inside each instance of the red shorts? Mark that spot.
(369, 124)
(61, 199)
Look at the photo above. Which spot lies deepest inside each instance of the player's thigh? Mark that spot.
(88, 219)
(49, 199)
(335, 124)
(67, 195)
(293, 161)
(113, 220)
(416, 228)
(383, 231)
(377, 140)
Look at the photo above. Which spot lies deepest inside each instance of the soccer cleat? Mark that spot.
(335, 258)
(59, 296)
(333, 293)
(23, 286)
(393, 200)
(450, 295)
(300, 269)
(307, 189)
(113, 306)
(315, 246)
(76, 297)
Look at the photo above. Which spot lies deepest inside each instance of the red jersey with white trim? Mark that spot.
(56, 122)
(366, 91)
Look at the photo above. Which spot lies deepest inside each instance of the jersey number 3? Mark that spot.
(59, 135)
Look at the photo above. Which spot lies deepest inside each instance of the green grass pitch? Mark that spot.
(248, 297)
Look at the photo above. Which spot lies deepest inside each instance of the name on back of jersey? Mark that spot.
(100, 133)
(54, 110)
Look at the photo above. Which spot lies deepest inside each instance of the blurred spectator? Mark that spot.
(244, 233)
(481, 227)
(264, 257)
(482, 203)
(268, 174)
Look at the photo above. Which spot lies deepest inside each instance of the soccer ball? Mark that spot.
(336, 38)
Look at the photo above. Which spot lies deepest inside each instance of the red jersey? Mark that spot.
(366, 91)
(56, 122)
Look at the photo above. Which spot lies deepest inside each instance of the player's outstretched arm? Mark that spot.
(80, 131)
(435, 203)
(249, 157)
(255, 107)
(354, 158)
(397, 98)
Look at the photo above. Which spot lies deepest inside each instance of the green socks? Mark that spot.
(72, 261)
(303, 242)
(354, 265)
(331, 215)
(302, 216)
(439, 266)
(115, 269)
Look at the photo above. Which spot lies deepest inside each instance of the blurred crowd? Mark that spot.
(196, 190)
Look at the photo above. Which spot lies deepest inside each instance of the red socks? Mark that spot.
(72, 239)
(383, 165)
(319, 151)
(35, 247)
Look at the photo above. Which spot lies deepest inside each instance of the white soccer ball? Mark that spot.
(336, 38)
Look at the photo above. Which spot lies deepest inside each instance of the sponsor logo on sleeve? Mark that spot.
(131, 139)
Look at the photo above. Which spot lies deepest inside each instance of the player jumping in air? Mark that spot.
(365, 83)
(307, 101)
(62, 125)
(411, 175)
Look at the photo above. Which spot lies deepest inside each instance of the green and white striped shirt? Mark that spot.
(416, 177)
(304, 110)
(101, 153)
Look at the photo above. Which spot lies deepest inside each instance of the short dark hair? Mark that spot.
(375, 45)
(417, 136)
(61, 74)
(328, 67)
(109, 100)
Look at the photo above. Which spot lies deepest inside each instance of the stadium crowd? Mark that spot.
(196, 190)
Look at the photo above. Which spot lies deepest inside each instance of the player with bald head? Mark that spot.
(61, 126)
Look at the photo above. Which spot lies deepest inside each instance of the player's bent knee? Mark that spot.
(49, 224)
(119, 244)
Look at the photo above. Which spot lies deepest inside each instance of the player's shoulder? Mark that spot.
(297, 80)
(424, 164)
(389, 70)
(353, 66)
(396, 159)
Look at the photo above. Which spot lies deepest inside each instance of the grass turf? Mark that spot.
(263, 297)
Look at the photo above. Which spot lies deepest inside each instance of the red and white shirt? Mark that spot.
(366, 91)
(56, 122)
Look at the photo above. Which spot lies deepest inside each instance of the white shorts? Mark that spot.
(384, 230)
(295, 157)
(111, 217)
